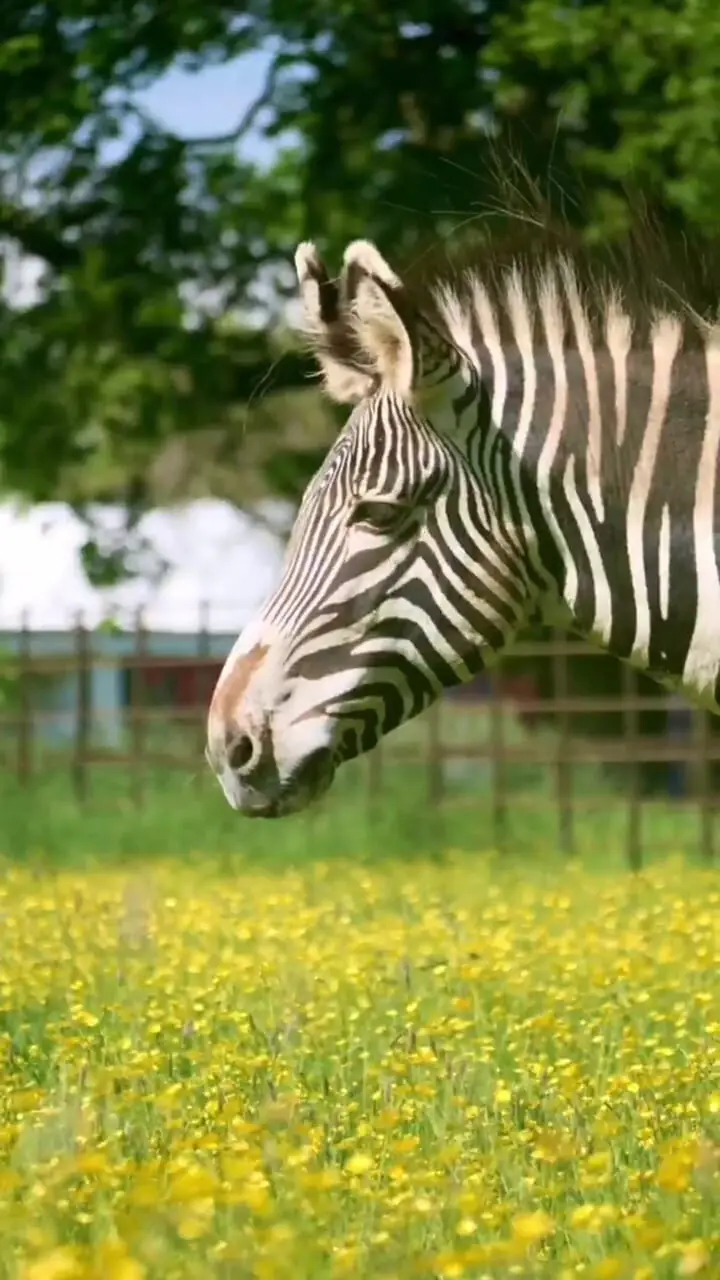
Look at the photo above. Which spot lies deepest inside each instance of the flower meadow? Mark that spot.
(439, 1069)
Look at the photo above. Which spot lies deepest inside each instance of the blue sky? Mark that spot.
(210, 101)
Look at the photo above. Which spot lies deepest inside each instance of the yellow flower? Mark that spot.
(582, 1216)
(197, 1221)
(330, 1069)
(593, 1217)
(449, 1265)
(677, 1166)
(608, 1269)
(694, 1258)
(113, 1262)
(647, 1235)
(91, 1163)
(532, 1228)
(195, 1183)
(58, 1264)
(466, 1227)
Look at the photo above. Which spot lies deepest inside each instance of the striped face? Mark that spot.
(410, 564)
(398, 582)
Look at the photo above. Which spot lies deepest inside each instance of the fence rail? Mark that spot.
(99, 702)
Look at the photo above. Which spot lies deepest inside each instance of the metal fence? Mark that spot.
(527, 732)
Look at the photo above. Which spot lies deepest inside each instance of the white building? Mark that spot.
(199, 572)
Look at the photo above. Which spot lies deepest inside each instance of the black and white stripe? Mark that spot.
(618, 447)
(539, 446)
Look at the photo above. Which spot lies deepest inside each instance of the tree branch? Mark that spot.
(248, 118)
(234, 135)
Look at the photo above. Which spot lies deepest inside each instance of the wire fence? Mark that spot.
(524, 735)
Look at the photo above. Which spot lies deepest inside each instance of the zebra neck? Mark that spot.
(616, 448)
(620, 467)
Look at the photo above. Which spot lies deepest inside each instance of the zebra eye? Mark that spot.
(381, 517)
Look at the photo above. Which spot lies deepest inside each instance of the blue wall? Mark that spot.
(55, 712)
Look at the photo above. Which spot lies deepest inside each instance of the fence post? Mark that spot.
(497, 736)
(563, 758)
(375, 774)
(203, 653)
(25, 724)
(82, 722)
(137, 709)
(631, 736)
(435, 779)
(706, 798)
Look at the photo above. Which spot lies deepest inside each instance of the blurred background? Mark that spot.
(159, 419)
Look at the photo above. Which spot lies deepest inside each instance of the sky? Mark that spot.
(210, 101)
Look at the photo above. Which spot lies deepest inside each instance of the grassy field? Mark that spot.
(132, 812)
(465, 1067)
(358, 1043)
(186, 816)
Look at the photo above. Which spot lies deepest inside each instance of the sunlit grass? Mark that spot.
(443, 1070)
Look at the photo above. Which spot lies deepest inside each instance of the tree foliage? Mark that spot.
(382, 117)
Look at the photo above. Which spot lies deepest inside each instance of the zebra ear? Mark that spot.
(328, 325)
(379, 327)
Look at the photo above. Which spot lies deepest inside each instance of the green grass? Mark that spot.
(129, 815)
(377, 808)
(341, 1070)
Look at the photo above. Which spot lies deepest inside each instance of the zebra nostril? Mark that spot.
(241, 753)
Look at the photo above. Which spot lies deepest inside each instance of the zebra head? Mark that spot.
(411, 562)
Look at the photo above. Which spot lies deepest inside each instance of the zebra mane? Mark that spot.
(651, 272)
(528, 264)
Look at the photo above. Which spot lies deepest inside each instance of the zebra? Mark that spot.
(522, 439)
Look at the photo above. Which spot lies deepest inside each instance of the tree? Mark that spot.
(382, 117)
(104, 359)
